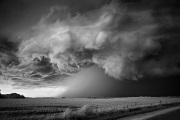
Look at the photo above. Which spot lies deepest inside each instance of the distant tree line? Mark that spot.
(12, 95)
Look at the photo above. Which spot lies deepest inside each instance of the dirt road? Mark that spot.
(151, 114)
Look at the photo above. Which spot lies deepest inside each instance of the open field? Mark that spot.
(79, 108)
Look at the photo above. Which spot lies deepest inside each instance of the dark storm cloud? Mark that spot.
(36, 76)
(37, 73)
(55, 77)
(113, 40)
(164, 61)
(58, 38)
(41, 73)
(36, 80)
(19, 15)
(7, 52)
(22, 84)
(8, 45)
(31, 83)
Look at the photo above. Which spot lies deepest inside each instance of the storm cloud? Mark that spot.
(115, 37)
(126, 39)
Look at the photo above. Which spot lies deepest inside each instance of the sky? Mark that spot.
(83, 48)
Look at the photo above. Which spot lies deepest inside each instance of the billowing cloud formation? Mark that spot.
(112, 37)
(36, 73)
